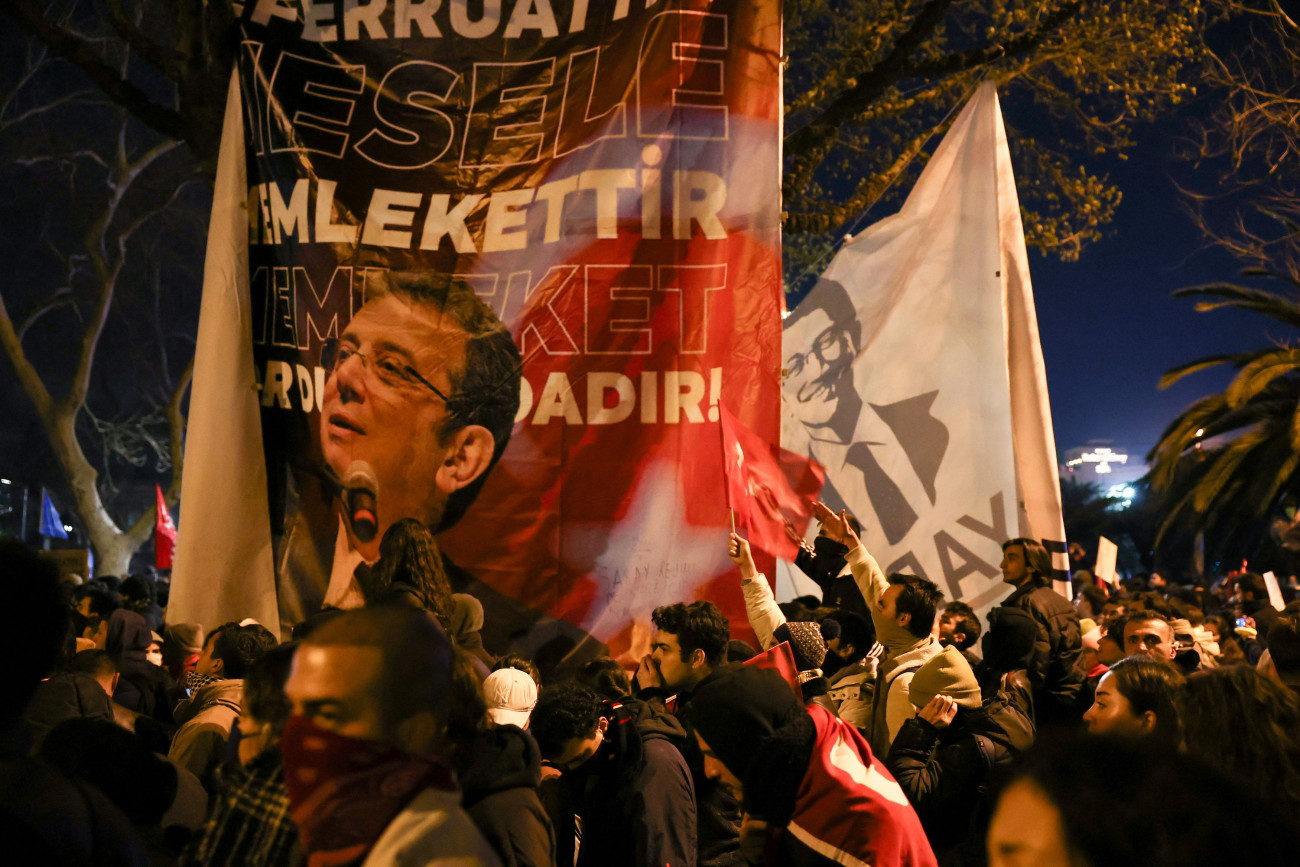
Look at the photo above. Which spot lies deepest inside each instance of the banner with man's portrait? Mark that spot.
(505, 258)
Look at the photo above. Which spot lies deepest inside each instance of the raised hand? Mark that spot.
(738, 551)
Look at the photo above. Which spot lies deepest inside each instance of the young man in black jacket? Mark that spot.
(625, 771)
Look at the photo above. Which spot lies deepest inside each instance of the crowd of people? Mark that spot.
(876, 724)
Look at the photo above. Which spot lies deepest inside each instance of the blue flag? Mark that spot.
(51, 523)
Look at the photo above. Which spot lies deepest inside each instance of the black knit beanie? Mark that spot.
(736, 712)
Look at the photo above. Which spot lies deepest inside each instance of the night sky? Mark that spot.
(1108, 325)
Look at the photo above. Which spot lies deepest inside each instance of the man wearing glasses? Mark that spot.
(422, 389)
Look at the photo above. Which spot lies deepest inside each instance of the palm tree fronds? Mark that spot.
(1260, 373)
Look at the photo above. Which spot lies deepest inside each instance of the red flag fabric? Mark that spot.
(780, 659)
(771, 490)
(164, 533)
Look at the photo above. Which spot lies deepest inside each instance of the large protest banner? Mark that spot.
(605, 178)
(914, 374)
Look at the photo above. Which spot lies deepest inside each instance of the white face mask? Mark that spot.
(154, 657)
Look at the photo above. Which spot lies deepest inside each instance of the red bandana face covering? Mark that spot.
(343, 792)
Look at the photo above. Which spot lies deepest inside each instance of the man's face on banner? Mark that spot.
(376, 408)
(820, 376)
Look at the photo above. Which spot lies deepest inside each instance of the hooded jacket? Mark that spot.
(143, 686)
(635, 795)
(206, 720)
(499, 776)
(946, 773)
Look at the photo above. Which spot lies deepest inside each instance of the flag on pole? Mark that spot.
(223, 568)
(164, 533)
(51, 523)
(913, 372)
(771, 491)
(779, 658)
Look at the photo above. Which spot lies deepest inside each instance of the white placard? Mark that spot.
(1107, 551)
(1274, 591)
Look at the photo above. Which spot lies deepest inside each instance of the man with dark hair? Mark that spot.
(419, 401)
(959, 626)
(688, 643)
(1148, 632)
(1054, 675)
(622, 763)
(1254, 603)
(1284, 649)
(903, 611)
(368, 691)
(216, 695)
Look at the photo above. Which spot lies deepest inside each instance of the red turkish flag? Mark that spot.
(771, 490)
(779, 658)
(164, 534)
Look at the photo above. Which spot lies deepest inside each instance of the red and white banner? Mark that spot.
(605, 178)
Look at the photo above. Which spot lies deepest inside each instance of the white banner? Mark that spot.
(913, 373)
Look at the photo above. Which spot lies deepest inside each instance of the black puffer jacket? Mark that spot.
(499, 775)
(1054, 671)
(947, 773)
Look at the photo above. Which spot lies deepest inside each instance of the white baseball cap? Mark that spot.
(510, 695)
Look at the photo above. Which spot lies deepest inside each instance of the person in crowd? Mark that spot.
(606, 678)
(182, 648)
(1253, 602)
(46, 816)
(143, 686)
(1284, 650)
(945, 757)
(1136, 697)
(623, 765)
(1090, 600)
(510, 696)
(851, 659)
(410, 569)
(521, 663)
(824, 562)
(249, 821)
(368, 696)
(466, 627)
(210, 712)
(140, 783)
(499, 766)
(959, 626)
(811, 788)
(1101, 801)
(688, 644)
(1149, 632)
(1009, 648)
(67, 693)
(141, 596)
(1116, 607)
(1054, 671)
(808, 640)
(1248, 726)
(903, 611)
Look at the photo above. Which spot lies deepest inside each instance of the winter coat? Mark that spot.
(824, 565)
(946, 773)
(635, 796)
(206, 720)
(61, 696)
(499, 776)
(142, 686)
(1053, 671)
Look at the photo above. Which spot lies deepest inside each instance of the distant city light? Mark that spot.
(1120, 496)
(67, 528)
(5, 482)
(1102, 457)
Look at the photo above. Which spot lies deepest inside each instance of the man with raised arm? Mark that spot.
(903, 609)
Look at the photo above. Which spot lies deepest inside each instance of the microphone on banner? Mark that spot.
(361, 499)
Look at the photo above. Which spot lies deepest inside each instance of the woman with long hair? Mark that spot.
(410, 564)
(1137, 697)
